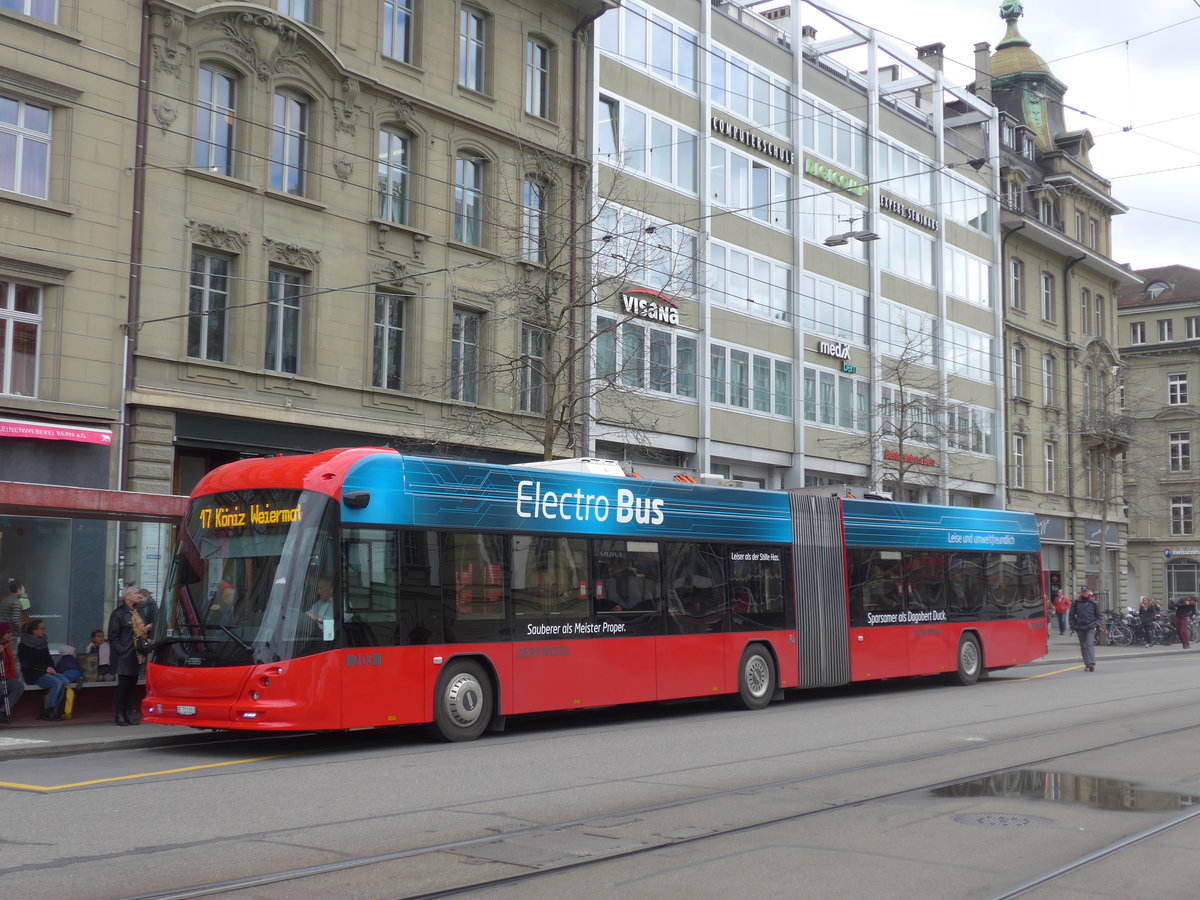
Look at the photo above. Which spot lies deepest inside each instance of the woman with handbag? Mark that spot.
(128, 640)
(37, 665)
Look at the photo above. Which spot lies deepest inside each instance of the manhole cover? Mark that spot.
(1002, 820)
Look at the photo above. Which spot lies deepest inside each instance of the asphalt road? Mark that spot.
(901, 789)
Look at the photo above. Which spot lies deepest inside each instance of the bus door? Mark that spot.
(930, 647)
(390, 597)
(691, 657)
(878, 620)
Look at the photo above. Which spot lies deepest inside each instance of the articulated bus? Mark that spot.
(360, 588)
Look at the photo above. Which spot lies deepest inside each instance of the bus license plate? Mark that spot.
(185, 710)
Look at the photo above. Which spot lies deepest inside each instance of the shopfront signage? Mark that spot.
(836, 349)
(833, 176)
(894, 456)
(908, 212)
(651, 305)
(752, 140)
(55, 431)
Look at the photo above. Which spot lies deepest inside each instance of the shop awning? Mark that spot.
(17, 498)
(54, 431)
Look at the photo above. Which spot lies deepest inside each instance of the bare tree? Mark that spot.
(564, 341)
(911, 418)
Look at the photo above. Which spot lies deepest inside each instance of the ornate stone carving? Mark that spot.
(343, 167)
(218, 236)
(403, 110)
(291, 254)
(343, 115)
(167, 56)
(392, 272)
(264, 40)
(165, 113)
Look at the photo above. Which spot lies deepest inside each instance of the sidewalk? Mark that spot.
(96, 731)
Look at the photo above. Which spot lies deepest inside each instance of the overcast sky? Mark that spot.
(1132, 72)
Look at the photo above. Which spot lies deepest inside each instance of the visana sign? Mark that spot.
(650, 305)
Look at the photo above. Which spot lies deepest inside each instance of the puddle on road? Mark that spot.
(1069, 788)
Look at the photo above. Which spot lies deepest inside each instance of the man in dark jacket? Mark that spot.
(1085, 617)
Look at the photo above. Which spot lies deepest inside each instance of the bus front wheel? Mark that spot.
(970, 660)
(756, 677)
(462, 702)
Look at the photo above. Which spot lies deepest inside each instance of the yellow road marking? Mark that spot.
(62, 787)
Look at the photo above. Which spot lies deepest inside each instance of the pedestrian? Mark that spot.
(99, 646)
(12, 685)
(11, 608)
(147, 607)
(37, 667)
(1085, 617)
(127, 640)
(1148, 611)
(1184, 608)
(1061, 606)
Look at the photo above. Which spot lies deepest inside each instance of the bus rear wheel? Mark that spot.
(970, 660)
(462, 702)
(756, 677)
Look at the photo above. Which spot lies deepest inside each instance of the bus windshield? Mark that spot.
(252, 580)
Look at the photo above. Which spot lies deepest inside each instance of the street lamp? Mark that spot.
(840, 240)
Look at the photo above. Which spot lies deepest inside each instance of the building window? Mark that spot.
(533, 221)
(671, 361)
(1192, 324)
(215, 117)
(1100, 329)
(387, 363)
(1177, 388)
(1180, 444)
(655, 44)
(1050, 461)
(208, 304)
(1085, 311)
(1018, 370)
(24, 147)
(20, 334)
(761, 286)
(1181, 514)
(394, 161)
(534, 344)
(743, 380)
(1047, 292)
(1087, 388)
(289, 143)
(1018, 461)
(1079, 226)
(44, 10)
(1016, 284)
(298, 9)
(649, 145)
(398, 30)
(1048, 386)
(284, 292)
(639, 249)
(739, 183)
(1137, 332)
(464, 356)
(537, 78)
(468, 199)
(1093, 234)
(1166, 330)
(472, 49)
(970, 352)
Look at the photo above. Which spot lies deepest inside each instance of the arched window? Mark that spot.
(395, 148)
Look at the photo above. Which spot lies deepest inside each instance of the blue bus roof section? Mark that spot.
(455, 495)
(917, 526)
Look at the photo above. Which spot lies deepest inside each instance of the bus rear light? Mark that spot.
(254, 695)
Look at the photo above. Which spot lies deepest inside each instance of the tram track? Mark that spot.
(693, 837)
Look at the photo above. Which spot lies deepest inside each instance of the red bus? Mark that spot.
(359, 588)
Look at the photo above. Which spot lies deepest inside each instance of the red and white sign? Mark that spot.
(45, 431)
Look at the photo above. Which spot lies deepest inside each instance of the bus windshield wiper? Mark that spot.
(229, 631)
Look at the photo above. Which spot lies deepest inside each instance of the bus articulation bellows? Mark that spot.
(362, 588)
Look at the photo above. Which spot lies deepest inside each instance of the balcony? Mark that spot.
(1099, 426)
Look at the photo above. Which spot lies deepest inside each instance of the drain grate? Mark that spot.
(1002, 820)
